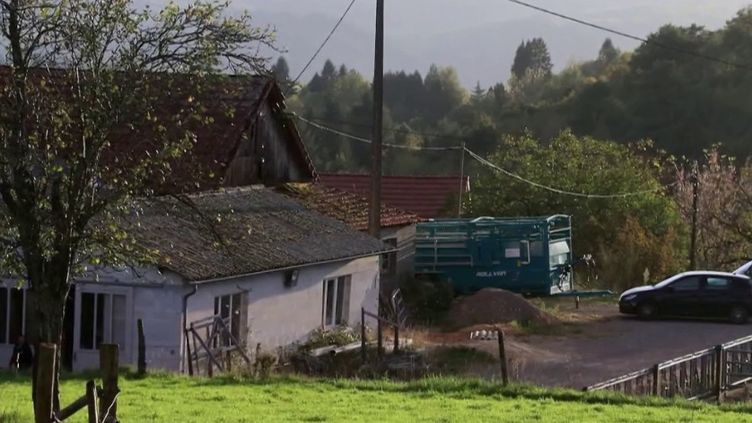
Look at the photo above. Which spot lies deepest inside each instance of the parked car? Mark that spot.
(695, 294)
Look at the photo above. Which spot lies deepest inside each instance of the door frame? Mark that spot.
(100, 288)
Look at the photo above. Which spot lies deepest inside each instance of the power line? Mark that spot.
(633, 37)
(368, 141)
(326, 40)
(487, 163)
(329, 123)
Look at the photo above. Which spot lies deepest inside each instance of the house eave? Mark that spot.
(281, 269)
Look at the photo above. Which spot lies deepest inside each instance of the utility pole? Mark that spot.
(695, 194)
(374, 215)
(462, 179)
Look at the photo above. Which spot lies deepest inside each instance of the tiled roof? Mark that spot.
(427, 196)
(238, 231)
(345, 206)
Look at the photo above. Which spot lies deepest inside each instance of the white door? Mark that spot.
(102, 316)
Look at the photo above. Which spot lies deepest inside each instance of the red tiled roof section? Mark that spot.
(347, 207)
(427, 196)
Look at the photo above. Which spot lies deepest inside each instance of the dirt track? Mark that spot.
(597, 350)
(615, 347)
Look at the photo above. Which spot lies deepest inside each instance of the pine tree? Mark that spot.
(281, 70)
(532, 56)
(478, 93)
(608, 53)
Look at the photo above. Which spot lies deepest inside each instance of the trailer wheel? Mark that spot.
(647, 311)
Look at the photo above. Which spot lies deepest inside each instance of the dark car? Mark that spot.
(714, 295)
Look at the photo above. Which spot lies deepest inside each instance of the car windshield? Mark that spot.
(744, 270)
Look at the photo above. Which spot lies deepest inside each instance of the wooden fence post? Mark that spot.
(719, 373)
(108, 365)
(91, 402)
(396, 338)
(379, 338)
(363, 352)
(502, 357)
(657, 380)
(141, 348)
(45, 381)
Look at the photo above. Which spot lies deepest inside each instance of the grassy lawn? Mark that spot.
(164, 398)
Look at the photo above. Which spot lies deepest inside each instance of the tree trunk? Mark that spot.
(45, 325)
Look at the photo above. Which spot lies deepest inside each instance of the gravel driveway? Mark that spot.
(610, 348)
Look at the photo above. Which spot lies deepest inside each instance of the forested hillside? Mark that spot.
(686, 90)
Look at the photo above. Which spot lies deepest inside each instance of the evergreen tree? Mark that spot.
(608, 53)
(281, 70)
(532, 56)
(478, 93)
(329, 72)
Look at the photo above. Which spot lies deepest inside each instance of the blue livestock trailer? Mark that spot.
(528, 255)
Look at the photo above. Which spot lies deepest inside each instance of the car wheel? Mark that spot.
(739, 315)
(647, 311)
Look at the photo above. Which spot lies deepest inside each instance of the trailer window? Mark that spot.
(558, 253)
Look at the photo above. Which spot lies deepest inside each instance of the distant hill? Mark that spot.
(478, 37)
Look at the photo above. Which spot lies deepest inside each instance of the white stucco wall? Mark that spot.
(278, 316)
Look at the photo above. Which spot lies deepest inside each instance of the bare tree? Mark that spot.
(80, 77)
(724, 210)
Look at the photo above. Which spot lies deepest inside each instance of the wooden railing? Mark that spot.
(380, 322)
(702, 374)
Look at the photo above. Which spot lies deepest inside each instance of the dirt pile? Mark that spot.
(490, 306)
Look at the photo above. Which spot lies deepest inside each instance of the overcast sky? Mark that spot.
(478, 37)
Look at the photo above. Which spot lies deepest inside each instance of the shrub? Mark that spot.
(427, 300)
(339, 336)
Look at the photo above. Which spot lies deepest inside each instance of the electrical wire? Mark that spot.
(329, 123)
(326, 40)
(633, 37)
(487, 163)
(368, 141)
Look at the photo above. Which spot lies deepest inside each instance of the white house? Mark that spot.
(276, 269)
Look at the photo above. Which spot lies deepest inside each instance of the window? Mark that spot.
(717, 283)
(558, 253)
(103, 320)
(389, 260)
(690, 283)
(229, 308)
(12, 312)
(336, 301)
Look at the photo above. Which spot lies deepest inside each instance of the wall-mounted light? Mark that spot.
(291, 278)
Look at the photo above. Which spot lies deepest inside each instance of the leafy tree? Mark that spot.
(79, 74)
(584, 165)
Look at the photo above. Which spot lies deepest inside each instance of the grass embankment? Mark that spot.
(166, 398)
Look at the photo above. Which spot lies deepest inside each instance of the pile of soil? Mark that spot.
(491, 306)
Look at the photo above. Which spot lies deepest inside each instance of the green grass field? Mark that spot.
(165, 398)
